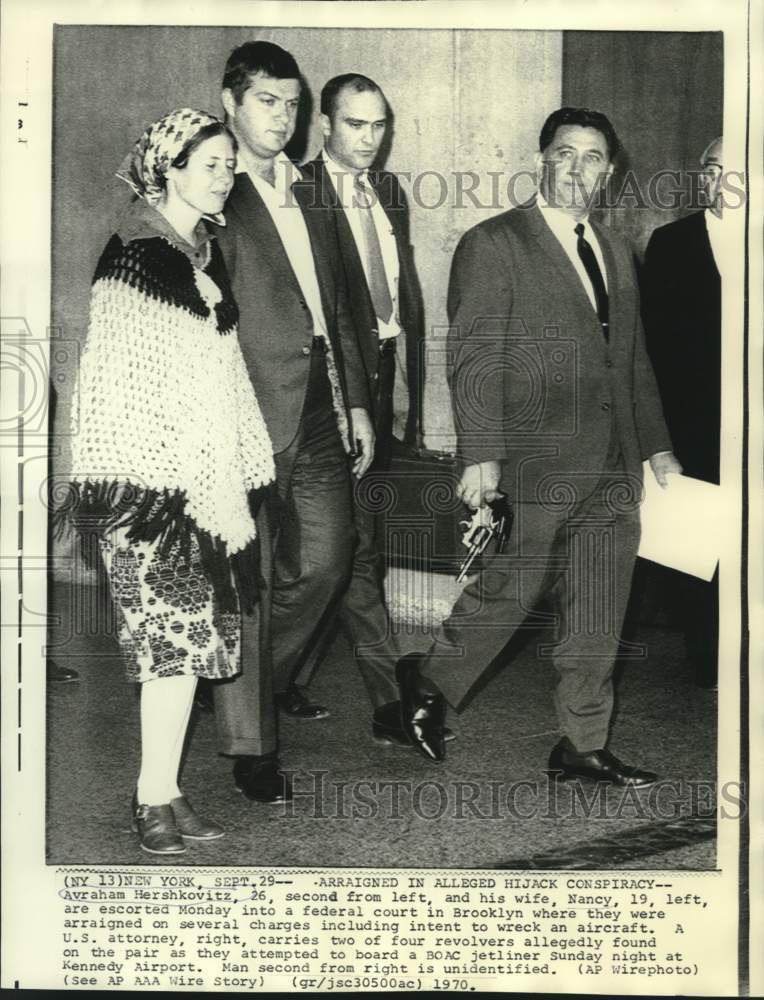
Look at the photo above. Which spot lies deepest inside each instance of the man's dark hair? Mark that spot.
(579, 116)
(257, 57)
(355, 81)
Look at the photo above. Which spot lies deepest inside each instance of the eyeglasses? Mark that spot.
(713, 170)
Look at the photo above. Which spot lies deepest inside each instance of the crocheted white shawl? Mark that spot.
(164, 401)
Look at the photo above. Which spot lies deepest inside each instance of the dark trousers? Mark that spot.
(362, 613)
(244, 714)
(312, 544)
(697, 604)
(581, 559)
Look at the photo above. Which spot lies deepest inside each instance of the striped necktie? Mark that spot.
(375, 267)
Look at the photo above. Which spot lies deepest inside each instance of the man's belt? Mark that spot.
(387, 346)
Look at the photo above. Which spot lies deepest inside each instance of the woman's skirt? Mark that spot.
(167, 620)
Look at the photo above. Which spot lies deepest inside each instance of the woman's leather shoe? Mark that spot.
(192, 826)
(157, 829)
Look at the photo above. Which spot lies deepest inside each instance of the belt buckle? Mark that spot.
(387, 346)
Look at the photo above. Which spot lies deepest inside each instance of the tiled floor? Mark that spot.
(489, 805)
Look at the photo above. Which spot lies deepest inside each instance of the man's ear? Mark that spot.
(326, 125)
(538, 163)
(229, 102)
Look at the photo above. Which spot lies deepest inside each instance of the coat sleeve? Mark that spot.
(651, 425)
(355, 373)
(479, 307)
(412, 317)
(331, 276)
(658, 298)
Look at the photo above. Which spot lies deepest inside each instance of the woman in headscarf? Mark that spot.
(170, 455)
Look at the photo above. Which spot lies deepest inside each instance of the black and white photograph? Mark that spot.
(385, 410)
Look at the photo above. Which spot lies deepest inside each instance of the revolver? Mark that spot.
(492, 521)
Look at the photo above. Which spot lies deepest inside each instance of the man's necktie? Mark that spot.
(589, 261)
(375, 268)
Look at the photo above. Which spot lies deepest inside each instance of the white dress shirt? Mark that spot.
(290, 224)
(564, 228)
(343, 181)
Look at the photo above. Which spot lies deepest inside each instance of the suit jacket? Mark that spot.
(411, 311)
(275, 324)
(534, 383)
(681, 309)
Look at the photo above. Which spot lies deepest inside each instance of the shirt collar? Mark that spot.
(343, 178)
(142, 221)
(285, 172)
(558, 220)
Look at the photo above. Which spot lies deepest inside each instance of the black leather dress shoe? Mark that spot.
(598, 765)
(61, 675)
(422, 712)
(294, 703)
(387, 727)
(260, 779)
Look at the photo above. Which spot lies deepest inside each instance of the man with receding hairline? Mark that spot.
(369, 208)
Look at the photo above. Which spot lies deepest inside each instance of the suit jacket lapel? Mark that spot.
(256, 222)
(569, 276)
(348, 247)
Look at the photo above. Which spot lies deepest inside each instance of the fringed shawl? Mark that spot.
(167, 435)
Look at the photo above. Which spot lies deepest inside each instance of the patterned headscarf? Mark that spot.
(144, 167)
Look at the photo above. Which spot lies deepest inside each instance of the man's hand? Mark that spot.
(363, 439)
(663, 463)
(480, 484)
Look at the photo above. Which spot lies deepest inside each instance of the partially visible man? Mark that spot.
(301, 351)
(555, 406)
(372, 219)
(681, 309)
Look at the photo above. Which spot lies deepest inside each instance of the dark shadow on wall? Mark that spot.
(664, 93)
(297, 147)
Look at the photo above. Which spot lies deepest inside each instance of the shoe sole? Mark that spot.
(262, 802)
(192, 836)
(561, 777)
(391, 741)
(305, 718)
(149, 850)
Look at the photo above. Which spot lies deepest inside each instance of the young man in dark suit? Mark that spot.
(682, 313)
(301, 350)
(555, 406)
(371, 215)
